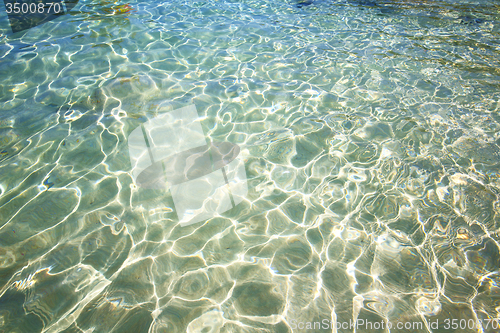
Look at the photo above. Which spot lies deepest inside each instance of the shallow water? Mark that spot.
(369, 133)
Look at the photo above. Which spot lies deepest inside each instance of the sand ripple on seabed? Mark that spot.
(373, 192)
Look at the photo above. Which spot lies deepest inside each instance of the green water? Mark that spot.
(370, 137)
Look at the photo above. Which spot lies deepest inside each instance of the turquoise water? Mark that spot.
(370, 137)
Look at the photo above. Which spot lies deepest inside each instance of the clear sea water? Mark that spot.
(370, 136)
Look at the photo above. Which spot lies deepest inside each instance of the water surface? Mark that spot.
(369, 132)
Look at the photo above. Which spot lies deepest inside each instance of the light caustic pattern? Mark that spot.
(369, 134)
